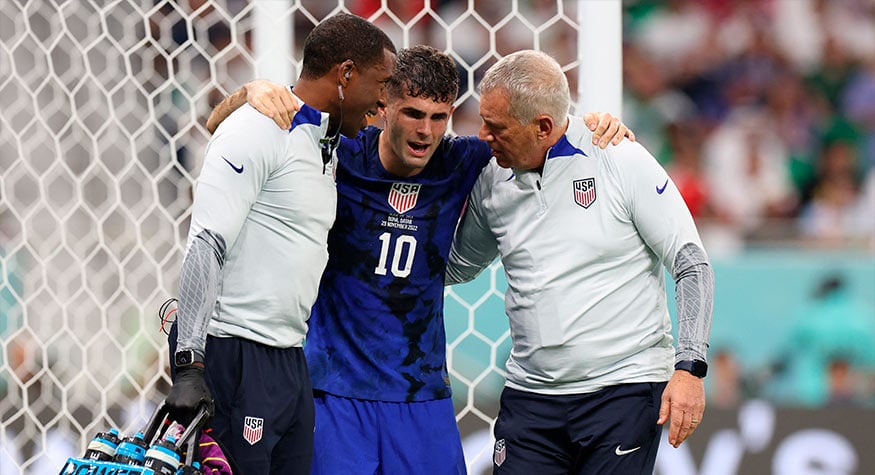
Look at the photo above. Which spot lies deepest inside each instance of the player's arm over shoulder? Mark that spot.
(249, 136)
(271, 99)
(246, 121)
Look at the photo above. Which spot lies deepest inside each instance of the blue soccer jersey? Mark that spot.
(377, 328)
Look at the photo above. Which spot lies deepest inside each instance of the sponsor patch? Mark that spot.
(584, 191)
(252, 429)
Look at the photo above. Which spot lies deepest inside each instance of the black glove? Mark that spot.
(188, 394)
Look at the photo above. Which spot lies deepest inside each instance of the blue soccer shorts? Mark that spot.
(612, 430)
(388, 438)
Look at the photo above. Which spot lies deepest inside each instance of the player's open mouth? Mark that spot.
(418, 149)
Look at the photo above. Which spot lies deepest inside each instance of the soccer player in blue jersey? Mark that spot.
(376, 345)
(263, 206)
(585, 236)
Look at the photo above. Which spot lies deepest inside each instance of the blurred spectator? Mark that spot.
(858, 104)
(673, 32)
(840, 380)
(867, 209)
(685, 167)
(851, 23)
(798, 32)
(796, 121)
(746, 167)
(832, 330)
(802, 28)
(723, 384)
(834, 215)
(649, 102)
(753, 62)
(831, 75)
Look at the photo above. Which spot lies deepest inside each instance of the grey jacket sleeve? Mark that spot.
(199, 289)
(664, 222)
(694, 293)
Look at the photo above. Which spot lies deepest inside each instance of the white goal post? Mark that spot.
(102, 112)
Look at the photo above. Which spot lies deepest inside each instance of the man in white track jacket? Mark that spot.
(584, 235)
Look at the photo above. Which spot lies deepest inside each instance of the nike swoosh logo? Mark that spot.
(659, 189)
(620, 451)
(234, 167)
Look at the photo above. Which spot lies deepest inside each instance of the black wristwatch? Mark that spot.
(697, 368)
(184, 358)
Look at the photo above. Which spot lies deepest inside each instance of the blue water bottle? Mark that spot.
(163, 457)
(132, 450)
(103, 446)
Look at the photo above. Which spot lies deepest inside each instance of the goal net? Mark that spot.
(102, 113)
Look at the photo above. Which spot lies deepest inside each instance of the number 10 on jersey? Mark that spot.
(404, 246)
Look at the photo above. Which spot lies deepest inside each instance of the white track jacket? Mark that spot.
(584, 246)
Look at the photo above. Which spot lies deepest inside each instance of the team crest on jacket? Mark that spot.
(403, 196)
(252, 429)
(584, 191)
(500, 452)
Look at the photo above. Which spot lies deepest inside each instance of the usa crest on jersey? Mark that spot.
(403, 196)
(252, 429)
(584, 191)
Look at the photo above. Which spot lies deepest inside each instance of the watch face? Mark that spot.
(700, 368)
(694, 367)
(184, 357)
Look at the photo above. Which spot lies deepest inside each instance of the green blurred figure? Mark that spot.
(829, 358)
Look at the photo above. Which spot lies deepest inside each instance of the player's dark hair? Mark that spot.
(424, 71)
(341, 37)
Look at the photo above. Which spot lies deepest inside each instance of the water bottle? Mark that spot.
(132, 450)
(103, 446)
(163, 457)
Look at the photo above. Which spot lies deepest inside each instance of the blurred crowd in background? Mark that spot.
(763, 112)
